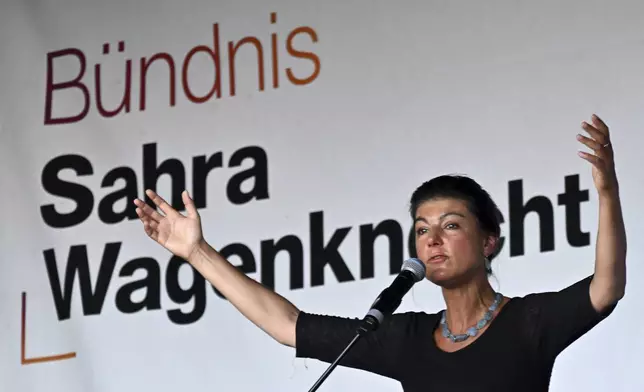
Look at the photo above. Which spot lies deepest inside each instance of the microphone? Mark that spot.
(412, 271)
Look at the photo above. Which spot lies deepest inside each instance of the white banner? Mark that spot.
(307, 123)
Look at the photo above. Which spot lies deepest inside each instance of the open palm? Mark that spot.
(178, 233)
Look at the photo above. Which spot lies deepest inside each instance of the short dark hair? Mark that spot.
(478, 200)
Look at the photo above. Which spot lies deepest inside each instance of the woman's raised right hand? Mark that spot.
(180, 234)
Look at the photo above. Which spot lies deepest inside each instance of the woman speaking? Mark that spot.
(482, 340)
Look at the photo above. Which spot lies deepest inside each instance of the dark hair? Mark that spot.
(466, 189)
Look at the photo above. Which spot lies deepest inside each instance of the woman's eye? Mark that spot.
(451, 226)
(421, 231)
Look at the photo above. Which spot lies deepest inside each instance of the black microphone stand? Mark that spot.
(386, 303)
(369, 323)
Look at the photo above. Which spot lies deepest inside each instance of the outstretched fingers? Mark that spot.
(593, 159)
(598, 140)
(161, 203)
(595, 133)
(600, 125)
(590, 143)
(150, 217)
(599, 132)
(144, 210)
(190, 205)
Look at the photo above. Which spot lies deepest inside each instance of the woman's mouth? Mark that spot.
(437, 259)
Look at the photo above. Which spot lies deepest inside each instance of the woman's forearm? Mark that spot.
(271, 312)
(609, 281)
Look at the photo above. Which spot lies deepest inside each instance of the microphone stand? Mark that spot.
(389, 299)
(370, 323)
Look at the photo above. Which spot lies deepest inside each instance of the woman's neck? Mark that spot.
(467, 304)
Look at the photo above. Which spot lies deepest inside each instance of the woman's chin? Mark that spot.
(446, 277)
(440, 275)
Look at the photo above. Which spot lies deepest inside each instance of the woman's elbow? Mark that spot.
(604, 296)
(285, 332)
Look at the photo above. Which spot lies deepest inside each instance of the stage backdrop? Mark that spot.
(301, 125)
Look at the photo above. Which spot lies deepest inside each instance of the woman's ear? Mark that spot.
(489, 248)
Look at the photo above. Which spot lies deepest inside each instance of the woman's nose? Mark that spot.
(434, 238)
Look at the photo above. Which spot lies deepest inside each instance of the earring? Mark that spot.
(488, 264)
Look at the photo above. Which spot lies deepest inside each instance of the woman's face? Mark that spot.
(450, 242)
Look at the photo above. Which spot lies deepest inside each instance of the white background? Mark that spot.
(406, 91)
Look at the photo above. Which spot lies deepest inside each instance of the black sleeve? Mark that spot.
(564, 316)
(381, 352)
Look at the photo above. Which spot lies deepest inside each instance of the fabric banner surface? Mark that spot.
(301, 130)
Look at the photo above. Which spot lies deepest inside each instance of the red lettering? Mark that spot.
(125, 101)
(300, 54)
(144, 70)
(51, 86)
(274, 53)
(214, 54)
(146, 80)
(232, 51)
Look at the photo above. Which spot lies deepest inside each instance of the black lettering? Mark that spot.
(196, 292)
(77, 263)
(572, 199)
(151, 283)
(172, 167)
(322, 255)
(518, 211)
(128, 193)
(259, 172)
(368, 235)
(52, 183)
(411, 242)
(293, 246)
(200, 170)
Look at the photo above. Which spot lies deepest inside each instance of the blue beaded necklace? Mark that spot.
(472, 331)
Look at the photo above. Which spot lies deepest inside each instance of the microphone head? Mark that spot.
(416, 267)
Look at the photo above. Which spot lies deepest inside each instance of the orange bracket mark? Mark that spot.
(23, 338)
